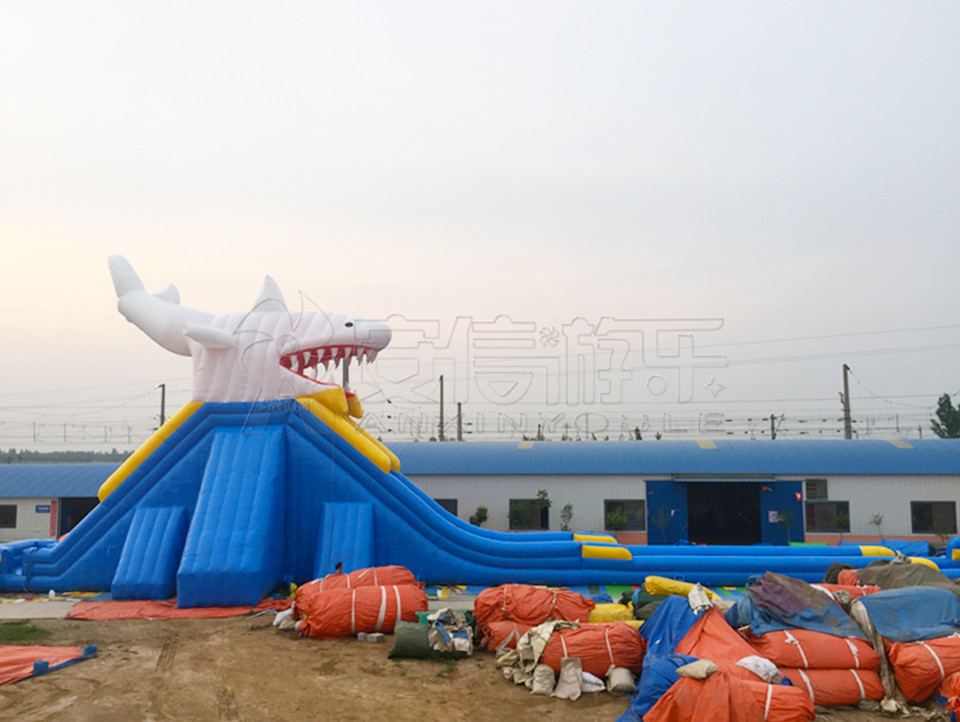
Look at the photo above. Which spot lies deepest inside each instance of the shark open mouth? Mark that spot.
(305, 363)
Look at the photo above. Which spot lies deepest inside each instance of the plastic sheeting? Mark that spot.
(776, 602)
(18, 663)
(667, 625)
(908, 615)
(659, 675)
(92, 611)
(888, 574)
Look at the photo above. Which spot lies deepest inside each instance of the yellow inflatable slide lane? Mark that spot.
(875, 550)
(662, 586)
(151, 444)
(603, 538)
(350, 431)
(330, 406)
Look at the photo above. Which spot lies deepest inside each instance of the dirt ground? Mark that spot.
(243, 668)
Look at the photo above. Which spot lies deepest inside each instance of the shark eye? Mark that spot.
(349, 324)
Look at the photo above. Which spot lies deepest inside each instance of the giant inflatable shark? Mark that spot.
(264, 354)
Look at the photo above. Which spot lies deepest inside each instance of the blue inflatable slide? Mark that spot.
(229, 501)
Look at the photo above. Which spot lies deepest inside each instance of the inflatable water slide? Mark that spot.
(266, 478)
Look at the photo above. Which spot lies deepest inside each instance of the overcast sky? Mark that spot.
(789, 171)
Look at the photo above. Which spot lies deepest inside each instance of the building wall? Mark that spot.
(34, 519)
(889, 496)
(585, 492)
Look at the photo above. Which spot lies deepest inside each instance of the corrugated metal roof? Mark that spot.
(644, 458)
(54, 480)
(659, 458)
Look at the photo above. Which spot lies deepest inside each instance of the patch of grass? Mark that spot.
(21, 631)
(400, 668)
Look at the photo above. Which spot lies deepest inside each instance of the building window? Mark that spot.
(635, 511)
(816, 490)
(526, 514)
(828, 516)
(448, 504)
(934, 517)
(8, 516)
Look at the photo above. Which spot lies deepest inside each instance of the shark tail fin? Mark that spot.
(125, 279)
(170, 294)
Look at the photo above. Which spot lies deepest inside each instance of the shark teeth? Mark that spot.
(306, 363)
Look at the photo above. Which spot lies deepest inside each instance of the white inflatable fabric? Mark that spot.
(265, 354)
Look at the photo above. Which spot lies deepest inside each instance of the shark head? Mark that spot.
(266, 353)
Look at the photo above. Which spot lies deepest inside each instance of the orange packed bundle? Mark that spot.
(836, 686)
(722, 697)
(848, 578)
(369, 577)
(346, 612)
(921, 666)
(599, 646)
(506, 633)
(806, 649)
(529, 605)
(950, 688)
(854, 590)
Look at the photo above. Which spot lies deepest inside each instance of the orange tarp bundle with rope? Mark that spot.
(505, 632)
(836, 686)
(724, 698)
(920, 667)
(529, 605)
(368, 577)
(346, 612)
(599, 646)
(807, 649)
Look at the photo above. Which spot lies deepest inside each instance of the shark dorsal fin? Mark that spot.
(270, 298)
(208, 336)
(170, 294)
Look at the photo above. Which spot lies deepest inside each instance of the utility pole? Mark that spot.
(845, 396)
(773, 428)
(163, 404)
(459, 421)
(440, 430)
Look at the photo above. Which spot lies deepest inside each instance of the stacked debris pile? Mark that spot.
(544, 639)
